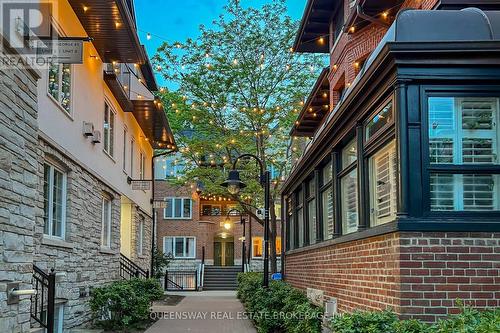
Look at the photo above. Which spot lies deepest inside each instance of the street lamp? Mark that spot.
(243, 239)
(234, 186)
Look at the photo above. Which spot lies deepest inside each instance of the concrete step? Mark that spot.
(221, 277)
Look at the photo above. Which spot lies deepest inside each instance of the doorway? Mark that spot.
(224, 251)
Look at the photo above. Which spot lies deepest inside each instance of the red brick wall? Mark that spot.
(418, 275)
(204, 228)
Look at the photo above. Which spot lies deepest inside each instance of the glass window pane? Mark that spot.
(54, 81)
(383, 185)
(327, 213)
(291, 233)
(190, 247)
(66, 87)
(300, 220)
(111, 132)
(310, 188)
(57, 204)
(463, 130)
(311, 220)
(179, 247)
(349, 185)
(278, 246)
(379, 121)
(299, 197)
(106, 127)
(167, 246)
(465, 192)
(187, 208)
(326, 173)
(178, 207)
(257, 246)
(349, 154)
(106, 208)
(169, 209)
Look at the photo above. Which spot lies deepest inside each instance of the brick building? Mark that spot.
(395, 201)
(209, 227)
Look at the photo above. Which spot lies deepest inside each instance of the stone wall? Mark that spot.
(79, 260)
(18, 191)
(142, 260)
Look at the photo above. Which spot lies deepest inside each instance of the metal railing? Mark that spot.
(123, 75)
(43, 302)
(181, 280)
(129, 269)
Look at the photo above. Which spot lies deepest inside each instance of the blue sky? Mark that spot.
(176, 20)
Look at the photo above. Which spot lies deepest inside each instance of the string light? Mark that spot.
(148, 36)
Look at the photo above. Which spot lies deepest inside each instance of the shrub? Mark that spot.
(468, 321)
(280, 308)
(124, 303)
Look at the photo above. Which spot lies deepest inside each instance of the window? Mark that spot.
(60, 85)
(383, 185)
(142, 165)
(463, 134)
(300, 219)
(140, 243)
(258, 247)
(180, 247)
(106, 222)
(211, 210)
(109, 127)
(124, 162)
(54, 189)
(311, 211)
(349, 188)
(58, 317)
(178, 208)
(380, 121)
(289, 225)
(326, 197)
(132, 156)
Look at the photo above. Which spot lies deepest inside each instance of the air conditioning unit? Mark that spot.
(96, 137)
(88, 129)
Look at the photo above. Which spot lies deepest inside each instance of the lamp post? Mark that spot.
(243, 239)
(234, 185)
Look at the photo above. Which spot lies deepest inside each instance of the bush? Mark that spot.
(124, 303)
(280, 308)
(468, 321)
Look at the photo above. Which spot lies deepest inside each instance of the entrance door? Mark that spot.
(218, 254)
(224, 251)
(228, 254)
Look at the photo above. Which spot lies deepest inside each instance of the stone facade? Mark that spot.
(18, 191)
(79, 259)
(143, 260)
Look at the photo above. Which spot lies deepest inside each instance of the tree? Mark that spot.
(240, 88)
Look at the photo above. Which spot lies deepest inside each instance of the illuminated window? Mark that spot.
(257, 247)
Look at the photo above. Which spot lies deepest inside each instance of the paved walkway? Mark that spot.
(206, 311)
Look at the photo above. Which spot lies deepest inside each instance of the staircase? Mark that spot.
(221, 277)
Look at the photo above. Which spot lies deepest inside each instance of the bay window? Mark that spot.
(326, 203)
(464, 153)
(180, 247)
(54, 189)
(349, 188)
(178, 208)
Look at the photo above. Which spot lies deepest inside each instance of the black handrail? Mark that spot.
(42, 308)
(181, 280)
(129, 269)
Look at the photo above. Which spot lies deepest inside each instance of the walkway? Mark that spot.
(206, 311)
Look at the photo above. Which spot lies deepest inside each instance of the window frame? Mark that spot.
(142, 165)
(109, 213)
(50, 219)
(322, 188)
(343, 172)
(185, 248)
(261, 239)
(110, 150)
(467, 169)
(183, 199)
(57, 100)
(132, 153)
(125, 148)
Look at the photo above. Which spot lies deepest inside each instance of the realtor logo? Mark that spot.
(23, 22)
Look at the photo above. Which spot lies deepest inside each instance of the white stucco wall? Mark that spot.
(89, 92)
